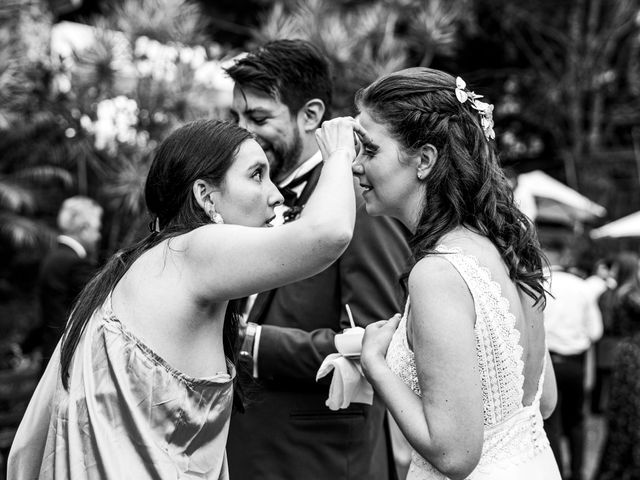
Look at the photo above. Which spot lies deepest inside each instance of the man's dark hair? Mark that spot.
(290, 71)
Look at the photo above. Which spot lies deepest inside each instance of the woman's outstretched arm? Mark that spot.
(232, 261)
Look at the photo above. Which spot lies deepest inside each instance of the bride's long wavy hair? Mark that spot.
(466, 186)
(204, 149)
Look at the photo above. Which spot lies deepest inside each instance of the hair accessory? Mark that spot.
(484, 109)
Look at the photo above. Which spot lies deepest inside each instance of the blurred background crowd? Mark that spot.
(89, 88)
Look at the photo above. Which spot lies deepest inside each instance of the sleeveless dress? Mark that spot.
(515, 445)
(127, 415)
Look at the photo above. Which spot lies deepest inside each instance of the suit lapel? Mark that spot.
(263, 300)
(312, 181)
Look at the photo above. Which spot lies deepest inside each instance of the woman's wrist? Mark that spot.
(347, 153)
(374, 367)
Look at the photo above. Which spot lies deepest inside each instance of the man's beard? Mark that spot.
(285, 157)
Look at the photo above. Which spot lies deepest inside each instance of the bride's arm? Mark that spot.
(445, 425)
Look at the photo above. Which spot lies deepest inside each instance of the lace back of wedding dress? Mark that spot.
(513, 432)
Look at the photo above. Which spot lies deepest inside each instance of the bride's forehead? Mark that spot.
(373, 127)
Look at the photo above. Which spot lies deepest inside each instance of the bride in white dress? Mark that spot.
(465, 372)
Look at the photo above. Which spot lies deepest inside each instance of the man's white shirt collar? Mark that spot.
(306, 167)
(73, 244)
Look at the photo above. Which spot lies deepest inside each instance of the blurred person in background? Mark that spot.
(283, 90)
(601, 285)
(573, 323)
(141, 385)
(64, 272)
(620, 458)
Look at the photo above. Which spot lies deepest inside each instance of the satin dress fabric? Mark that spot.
(126, 415)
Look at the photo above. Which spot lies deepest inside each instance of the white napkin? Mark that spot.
(348, 383)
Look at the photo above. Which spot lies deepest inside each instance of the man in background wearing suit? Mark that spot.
(282, 94)
(65, 271)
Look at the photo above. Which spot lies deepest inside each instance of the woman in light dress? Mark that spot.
(467, 376)
(141, 385)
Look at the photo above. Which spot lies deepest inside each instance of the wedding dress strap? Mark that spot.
(406, 307)
(538, 395)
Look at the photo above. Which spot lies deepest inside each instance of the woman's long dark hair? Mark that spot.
(204, 149)
(466, 186)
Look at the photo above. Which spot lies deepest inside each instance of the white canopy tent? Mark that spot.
(628, 226)
(554, 201)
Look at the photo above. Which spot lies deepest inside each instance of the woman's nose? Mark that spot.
(276, 196)
(357, 168)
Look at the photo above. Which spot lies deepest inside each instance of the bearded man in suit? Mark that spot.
(282, 94)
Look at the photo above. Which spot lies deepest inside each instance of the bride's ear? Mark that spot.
(428, 158)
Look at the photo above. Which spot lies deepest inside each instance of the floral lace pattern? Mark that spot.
(513, 433)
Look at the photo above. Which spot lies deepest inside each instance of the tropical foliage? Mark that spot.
(369, 39)
(82, 107)
(571, 79)
(107, 94)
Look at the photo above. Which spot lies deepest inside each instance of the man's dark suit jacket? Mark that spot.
(63, 275)
(288, 432)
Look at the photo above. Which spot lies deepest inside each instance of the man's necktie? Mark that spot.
(291, 197)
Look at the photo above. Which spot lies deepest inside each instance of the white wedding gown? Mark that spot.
(515, 444)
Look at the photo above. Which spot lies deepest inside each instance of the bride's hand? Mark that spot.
(377, 337)
(337, 135)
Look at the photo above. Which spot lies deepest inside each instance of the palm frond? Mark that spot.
(15, 197)
(163, 20)
(43, 174)
(100, 63)
(279, 23)
(435, 27)
(126, 191)
(15, 87)
(22, 232)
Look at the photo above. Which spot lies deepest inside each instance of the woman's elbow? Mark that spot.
(548, 401)
(458, 470)
(342, 238)
(335, 239)
(458, 464)
(547, 408)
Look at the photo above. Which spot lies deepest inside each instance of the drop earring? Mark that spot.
(213, 214)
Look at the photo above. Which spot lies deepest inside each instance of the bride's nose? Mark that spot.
(357, 168)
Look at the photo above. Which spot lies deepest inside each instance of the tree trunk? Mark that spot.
(598, 66)
(595, 122)
(575, 95)
(570, 172)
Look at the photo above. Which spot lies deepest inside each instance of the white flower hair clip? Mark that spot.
(484, 109)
